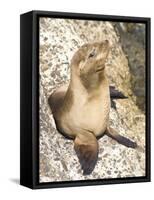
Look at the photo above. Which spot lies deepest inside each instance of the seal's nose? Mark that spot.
(106, 42)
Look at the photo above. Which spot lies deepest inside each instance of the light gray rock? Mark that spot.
(59, 40)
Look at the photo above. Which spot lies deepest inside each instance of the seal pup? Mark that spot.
(81, 109)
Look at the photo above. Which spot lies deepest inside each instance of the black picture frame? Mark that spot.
(29, 99)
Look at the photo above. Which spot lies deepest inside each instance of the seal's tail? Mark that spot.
(86, 147)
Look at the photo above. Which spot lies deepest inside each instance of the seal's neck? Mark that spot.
(95, 88)
(77, 86)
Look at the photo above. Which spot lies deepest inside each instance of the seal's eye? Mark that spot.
(92, 54)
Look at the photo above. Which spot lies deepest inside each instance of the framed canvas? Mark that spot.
(85, 99)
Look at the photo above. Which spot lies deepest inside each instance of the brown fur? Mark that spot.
(81, 110)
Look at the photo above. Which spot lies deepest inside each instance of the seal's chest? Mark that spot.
(93, 115)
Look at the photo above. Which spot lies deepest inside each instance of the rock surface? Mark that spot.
(59, 40)
(132, 38)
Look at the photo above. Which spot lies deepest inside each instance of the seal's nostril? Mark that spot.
(106, 41)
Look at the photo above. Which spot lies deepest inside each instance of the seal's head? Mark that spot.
(88, 63)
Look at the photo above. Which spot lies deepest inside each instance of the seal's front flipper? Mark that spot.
(115, 94)
(120, 139)
(86, 147)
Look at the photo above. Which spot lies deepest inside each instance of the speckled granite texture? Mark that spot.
(59, 40)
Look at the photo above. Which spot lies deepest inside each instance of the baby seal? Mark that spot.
(81, 109)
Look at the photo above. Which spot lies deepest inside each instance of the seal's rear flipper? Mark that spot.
(120, 139)
(86, 147)
(115, 94)
(113, 104)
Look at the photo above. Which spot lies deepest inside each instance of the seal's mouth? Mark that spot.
(100, 68)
